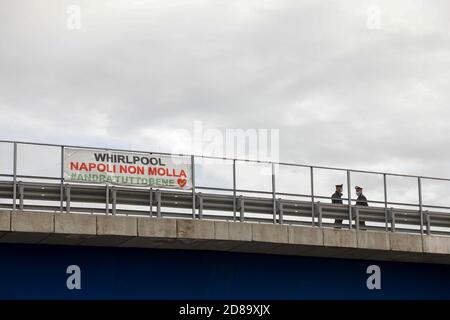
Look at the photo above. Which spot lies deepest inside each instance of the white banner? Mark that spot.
(124, 168)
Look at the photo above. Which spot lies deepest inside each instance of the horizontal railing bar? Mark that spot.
(253, 191)
(370, 201)
(435, 207)
(37, 177)
(294, 194)
(214, 188)
(90, 148)
(227, 158)
(131, 188)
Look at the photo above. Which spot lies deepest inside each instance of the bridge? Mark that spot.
(57, 211)
(44, 210)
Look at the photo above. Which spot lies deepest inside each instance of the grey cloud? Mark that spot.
(341, 94)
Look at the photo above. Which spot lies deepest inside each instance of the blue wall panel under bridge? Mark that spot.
(40, 272)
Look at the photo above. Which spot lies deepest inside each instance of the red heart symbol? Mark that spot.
(181, 182)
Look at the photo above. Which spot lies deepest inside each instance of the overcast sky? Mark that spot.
(343, 87)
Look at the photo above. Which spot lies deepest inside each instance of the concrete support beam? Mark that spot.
(438, 245)
(5, 221)
(240, 231)
(113, 231)
(35, 222)
(157, 227)
(373, 240)
(305, 236)
(81, 224)
(72, 229)
(221, 230)
(406, 242)
(195, 229)
(29, 227)
(153, 233)
(117, 226)
(339, 238)
(270, 233)
(258, 238)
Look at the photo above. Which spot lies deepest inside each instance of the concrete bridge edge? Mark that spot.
(187, 234)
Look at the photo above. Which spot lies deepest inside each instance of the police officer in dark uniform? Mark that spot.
(336, 198)
(361, 201)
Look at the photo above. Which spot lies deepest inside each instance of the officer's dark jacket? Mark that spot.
(362, 201)
(336, 198)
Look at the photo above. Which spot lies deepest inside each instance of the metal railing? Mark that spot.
(239, 206)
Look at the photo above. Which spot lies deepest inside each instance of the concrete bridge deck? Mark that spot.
(39, 227)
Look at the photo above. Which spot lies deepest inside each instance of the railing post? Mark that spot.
(158, 203)
(14, 177)
(319, 210)
(107, 200)
(349, 191)
(428, 221)
(274, 195)
(151, 202)
(21, 195)
(385, 202)
(234, 191)
(280, 209)
(114, 200)
(200, 206)
(61, 191)
(419, 181)
(356, 210)
(67, 198)
(392, 220)
(193, 186)
(241, 207)
(313, 213)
